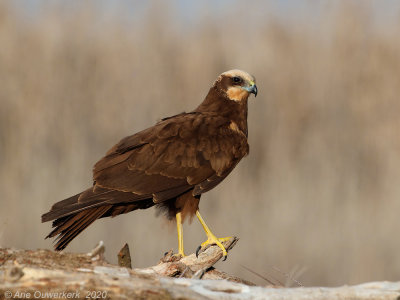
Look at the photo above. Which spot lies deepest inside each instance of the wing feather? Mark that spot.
(188, 151)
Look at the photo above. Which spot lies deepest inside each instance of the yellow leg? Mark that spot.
(179, 228)
(211, 238)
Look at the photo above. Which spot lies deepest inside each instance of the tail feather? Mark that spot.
(67, 207)
(71, 216)
(75, 225)
(91, 198)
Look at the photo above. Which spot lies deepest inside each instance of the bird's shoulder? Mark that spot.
(186, 127)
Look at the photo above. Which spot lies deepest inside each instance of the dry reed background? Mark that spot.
(320, 189)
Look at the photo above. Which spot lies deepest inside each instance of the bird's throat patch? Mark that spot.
(236, 93)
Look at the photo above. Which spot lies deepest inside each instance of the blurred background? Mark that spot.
(319, 194)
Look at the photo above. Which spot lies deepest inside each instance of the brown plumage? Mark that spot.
(169, 165)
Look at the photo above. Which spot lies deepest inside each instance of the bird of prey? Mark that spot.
(169, 165)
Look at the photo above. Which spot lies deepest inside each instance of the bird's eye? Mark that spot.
(237, 79)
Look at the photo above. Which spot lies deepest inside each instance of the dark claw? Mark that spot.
(197, 251)
(225, 257)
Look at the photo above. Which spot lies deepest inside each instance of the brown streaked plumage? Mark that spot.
(169, 165)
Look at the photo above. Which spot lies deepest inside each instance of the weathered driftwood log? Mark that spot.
(46, 274)
(194, 267)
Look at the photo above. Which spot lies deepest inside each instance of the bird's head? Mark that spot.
(237, 85)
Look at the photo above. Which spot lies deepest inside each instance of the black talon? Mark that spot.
(197, 251)
(225, 257)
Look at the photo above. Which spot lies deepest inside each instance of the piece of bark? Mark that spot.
(124, 257)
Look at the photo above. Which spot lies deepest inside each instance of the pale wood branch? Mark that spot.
(77, 276)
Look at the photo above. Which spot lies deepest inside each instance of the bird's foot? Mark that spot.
(180, 254)
(170, 256)
(176, 257)
(212, 239)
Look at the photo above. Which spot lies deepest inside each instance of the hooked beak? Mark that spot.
(251, 89)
